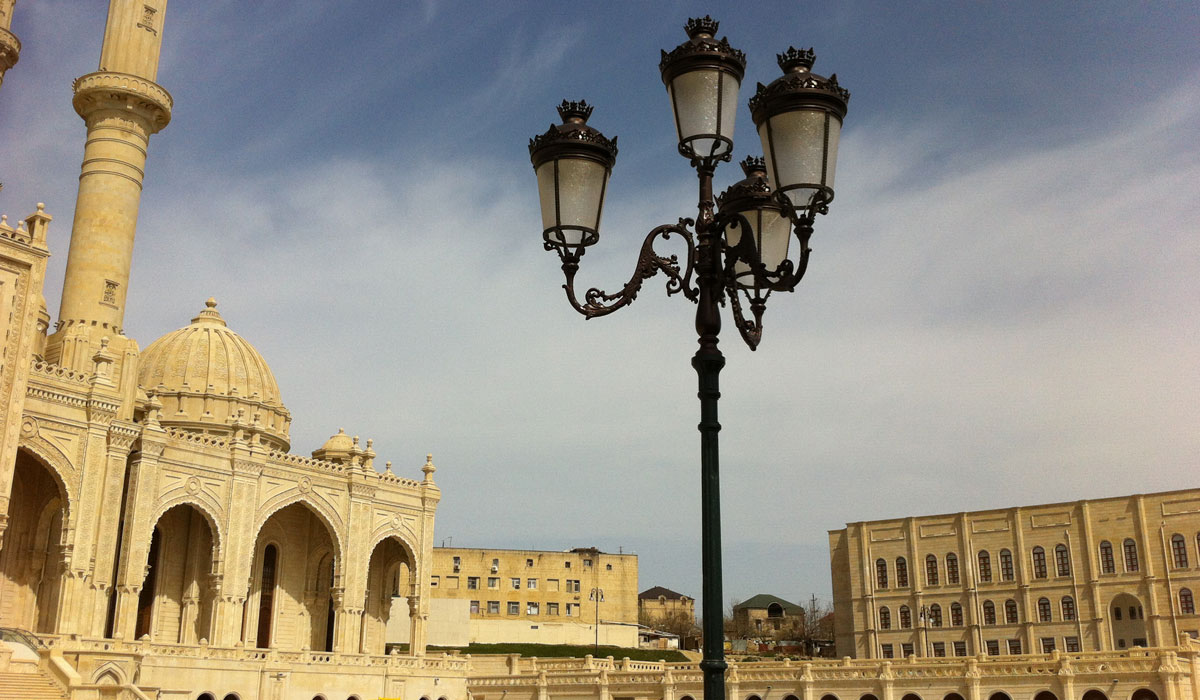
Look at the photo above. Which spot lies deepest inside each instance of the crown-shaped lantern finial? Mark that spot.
(754, 165)
(697, 26)
(577, 112)
(796, 60)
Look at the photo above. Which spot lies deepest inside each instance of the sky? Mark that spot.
(1000, 309)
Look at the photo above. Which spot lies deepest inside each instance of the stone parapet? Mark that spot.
(103, 89)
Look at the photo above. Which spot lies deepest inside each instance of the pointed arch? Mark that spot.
(319, 506)
(208, 511)
(111, 672)
(57, 465)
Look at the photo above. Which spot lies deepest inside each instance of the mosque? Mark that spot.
(157, 535)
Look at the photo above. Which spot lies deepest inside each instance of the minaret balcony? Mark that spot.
(124, 92)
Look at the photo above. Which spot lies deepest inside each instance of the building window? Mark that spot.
(881, 573)
(1131, 558)
(1072, 644)
(887, 651)
(472, 583)
(493, 607)
(939, 648)
(951, 568)
(531, 584)
(956, 615)
(985, 566)
(1006, 565)
(566, 564)
(551, 608)
(907, 650)
(531, 608)
(528, 563)
(608, 567)
(433, 581)
(993, 647)
(572, 585)
(495, 565)
(935, 615)
(1047, 645)
(931, 571)
(493, 582)
(885, 619)
(1187, 605)
(905, 617)
(1107, 565)
(1179, 549)
(960, 648)
(1062, 560)
(989, 612)
(1044, 610)
(901, 572)
(1068, 608)
(572, 609)
(516, 583)
(1014, 646)
(1039, 562)
(514, 608)
(587, 563)
(457, 563)
(1116, 612)
(474, 607)
(1010, 611)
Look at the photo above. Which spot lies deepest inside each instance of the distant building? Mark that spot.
(765, 614)
(1097, 575)
(660, 604)
(579, 596)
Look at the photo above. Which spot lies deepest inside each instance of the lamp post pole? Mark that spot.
(737, 247)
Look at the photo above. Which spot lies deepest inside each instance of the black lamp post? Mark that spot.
(737, 247)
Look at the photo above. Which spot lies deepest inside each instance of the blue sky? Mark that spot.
(1001, 306)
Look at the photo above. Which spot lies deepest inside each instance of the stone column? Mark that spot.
(139, 509)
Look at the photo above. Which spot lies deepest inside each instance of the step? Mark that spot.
(28, 686)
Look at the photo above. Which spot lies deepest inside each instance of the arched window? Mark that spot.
(931, 571)
(989, 612)
(1107, 565)
(1179, 550)
(1062, 560)
(935, 615)
(985, 566)
(885, 619)
(1044, 610)
(266, 596)
(1039, 562)
(1187, 606)
(1094, 695)
(1068, 608)
(880, 573)
(1006, 565)
(1131, 558)
(901, 572)
(951, 568)
(1010, 612)
(956, 615)
(905, 617)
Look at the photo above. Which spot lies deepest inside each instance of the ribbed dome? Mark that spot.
(204, 373)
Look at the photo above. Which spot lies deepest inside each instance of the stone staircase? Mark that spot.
(28, 686)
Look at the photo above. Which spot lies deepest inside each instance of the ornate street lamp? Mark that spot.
(737, 248)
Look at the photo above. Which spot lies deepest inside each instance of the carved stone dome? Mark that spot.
(204, 374)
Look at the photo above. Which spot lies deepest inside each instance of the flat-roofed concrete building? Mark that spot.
(1103, 574)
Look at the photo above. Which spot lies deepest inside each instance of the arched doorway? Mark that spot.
(1127, 621)
(1144, 694)
(391, 576)
(953, 696)
(1045, 695)
(295, 562)
(176, 601)
(31, 565)
(1094, 695)
(999, 695)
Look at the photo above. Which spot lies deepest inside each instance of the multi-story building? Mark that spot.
(1104, 574)
(514, 595)
(659, 604)
(766, 614)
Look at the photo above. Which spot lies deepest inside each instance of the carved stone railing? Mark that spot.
(42, 368)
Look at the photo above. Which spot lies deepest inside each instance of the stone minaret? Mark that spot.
(10, 47)
(121, 105)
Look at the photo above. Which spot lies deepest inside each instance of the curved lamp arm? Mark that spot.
(597, 302)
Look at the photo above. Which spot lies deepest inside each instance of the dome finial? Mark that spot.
(211, 303)
(210, 315)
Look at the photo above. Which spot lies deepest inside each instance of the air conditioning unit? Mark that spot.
(495, 569)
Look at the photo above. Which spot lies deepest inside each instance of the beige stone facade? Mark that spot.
(1096, 575)
(156, 534)
(535, 596)
(659, 604)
